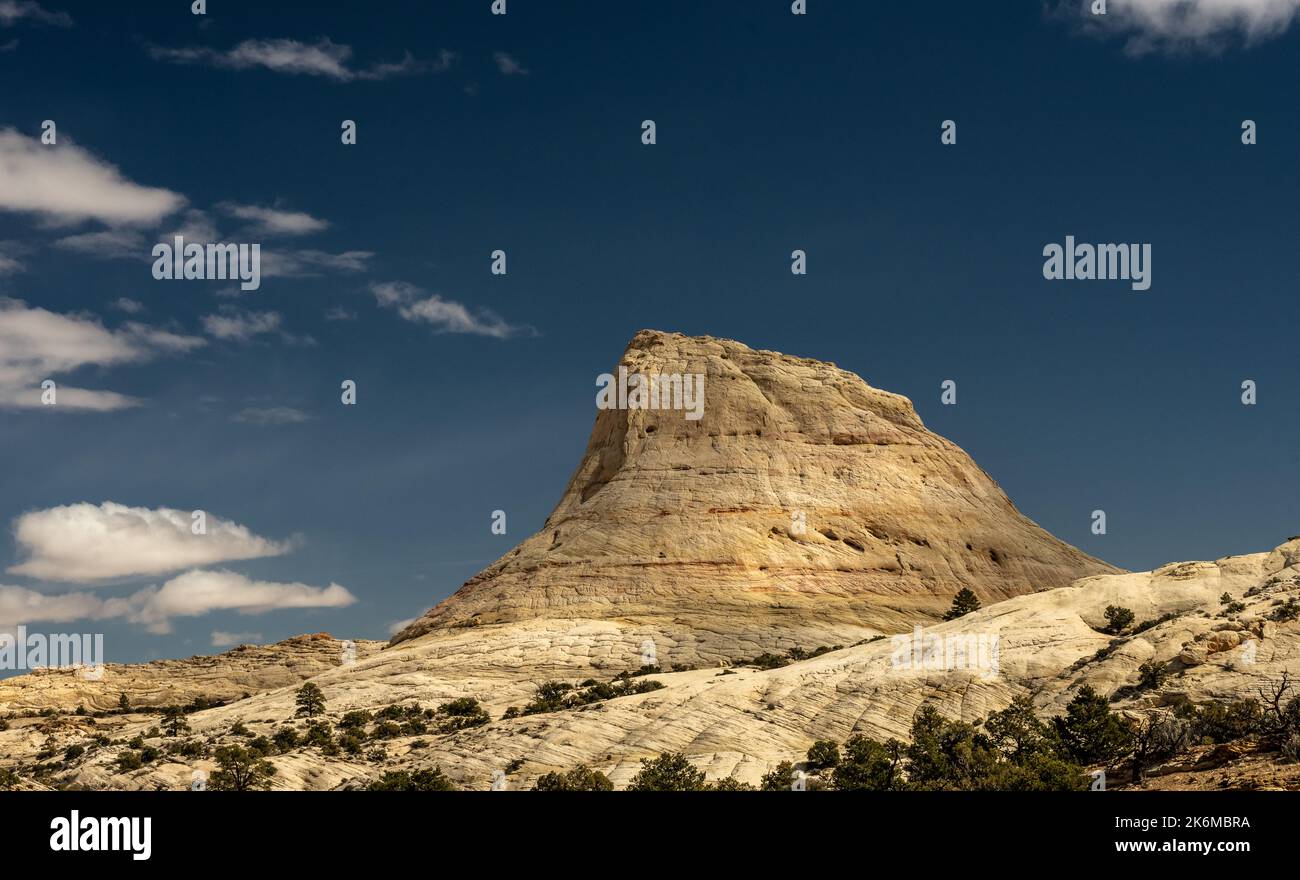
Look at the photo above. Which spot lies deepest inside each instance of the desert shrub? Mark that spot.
(73, 752)
(351, 743)
(580, 778)
(285, 738)
(823, 755)
(386, 730)
(460, 715)
(867, 765)
(1118, 619)
(318, 734)
(557, 696)
(354, 720)
(729, 783)
(1152, 674)
(240, 729)
(1287, 612)
(128, 761)
(779, 778)
(418, 780)
(668, 772)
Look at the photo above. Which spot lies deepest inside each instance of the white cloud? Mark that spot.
(191, 594)
(274, 221)
(36, 344)
(238, 326)
(445, 316)
(1150, 25)
(338, 313)
(108, 244)
(83, 543)
(19, 605)
(222, 639)
(398, 625)
(322, 58)
(66, 184)
(311, 263)
(198, 592)
(508, 65)
(130, 306)
(14, 11)
(273, 415)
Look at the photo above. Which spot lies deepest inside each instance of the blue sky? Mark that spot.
(522, 132)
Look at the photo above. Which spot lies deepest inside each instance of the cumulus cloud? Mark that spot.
(444, 315)
(191, 594)
(274, 221)
(66, 184)
(322, 58)
(84, 543)
(9, 262)
(14, 11)
(1173, 25)
(36, 344)
(272, 415)
(195, 593)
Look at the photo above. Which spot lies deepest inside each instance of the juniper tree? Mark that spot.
(962, 604)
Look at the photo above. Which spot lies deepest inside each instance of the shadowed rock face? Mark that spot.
(692, 528)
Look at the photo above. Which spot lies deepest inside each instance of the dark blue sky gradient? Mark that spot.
(775, 133)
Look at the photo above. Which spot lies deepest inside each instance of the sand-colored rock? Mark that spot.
(246, 669)
(692, 529)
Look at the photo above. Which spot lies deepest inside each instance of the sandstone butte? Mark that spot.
(691, 529)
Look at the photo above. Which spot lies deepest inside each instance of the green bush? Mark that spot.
(1118, 619)
(668, 772)
(823, 755)
(459, 715)
(1089, 732)
(418, 780)
(580, 778)
(240, 769)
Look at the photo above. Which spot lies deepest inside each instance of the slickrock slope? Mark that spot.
(745, 720)
(691, 529)
(246, 669)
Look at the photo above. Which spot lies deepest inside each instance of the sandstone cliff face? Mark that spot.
(692, 528)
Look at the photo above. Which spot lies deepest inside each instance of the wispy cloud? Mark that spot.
(222, 639)
(311, 263)
(241, 326)
(1182, 25)
(322, 58)
(275, 221)
(443, 315)
(36, 344)
(108, 244)
(130, 306)
(83, 543)
(272, 415)
(14, 11)
(66, 184)
(508, 65)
